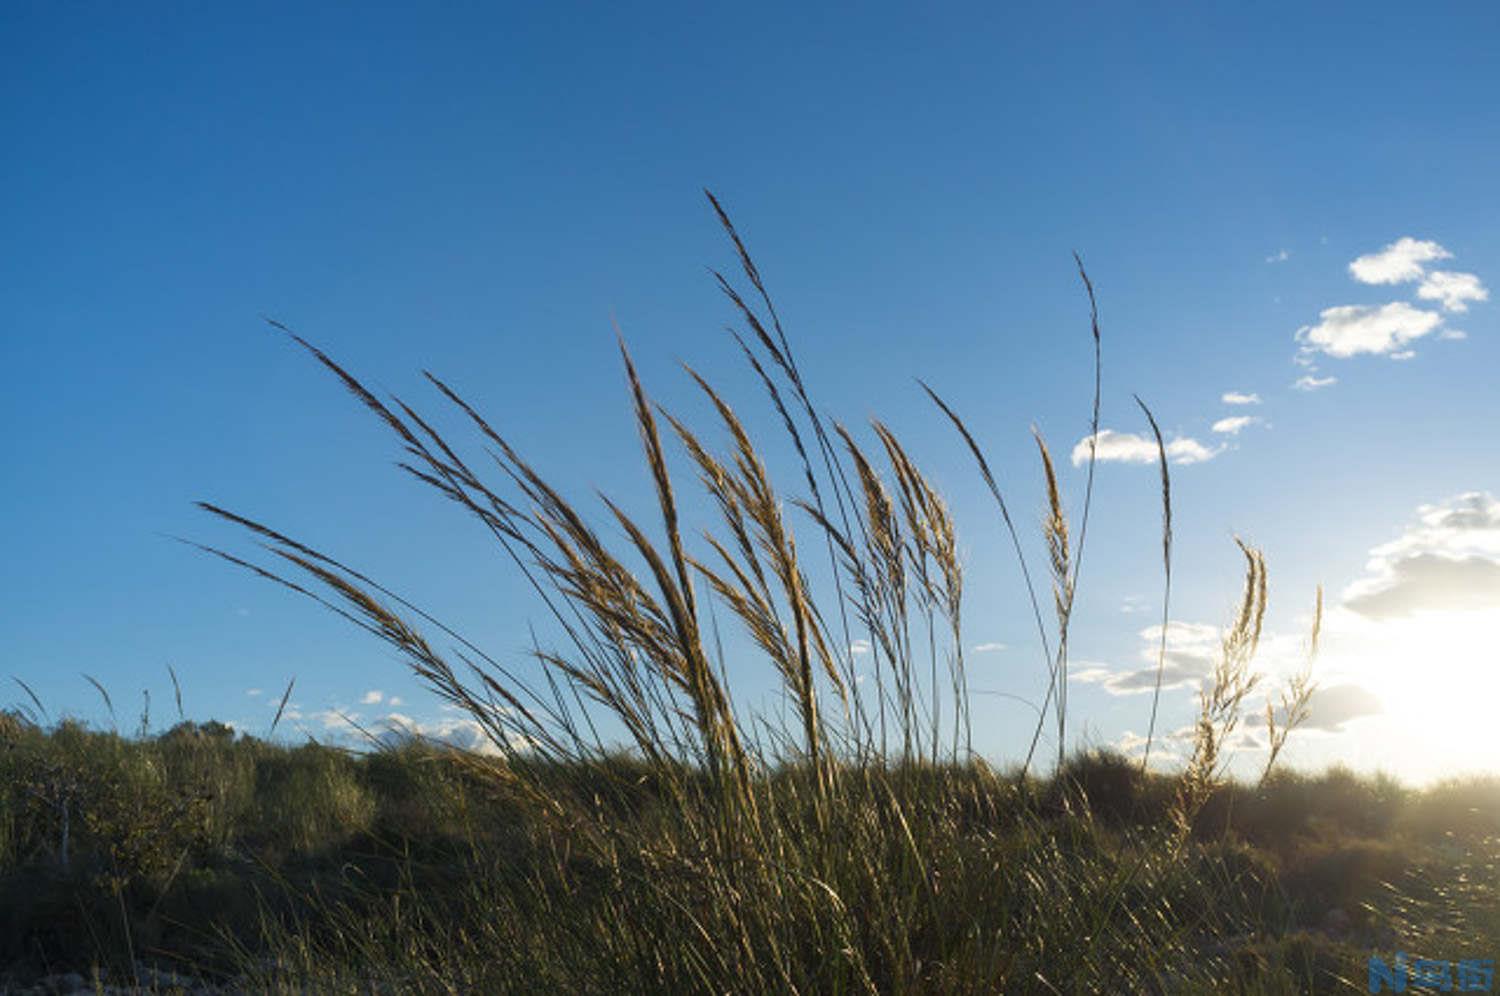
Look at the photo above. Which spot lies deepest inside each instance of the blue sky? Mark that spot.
(483, 192)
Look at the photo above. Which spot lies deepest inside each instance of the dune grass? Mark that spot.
(635, 829)
(414, 868)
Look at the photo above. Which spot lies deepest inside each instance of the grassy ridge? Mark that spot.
(289, 867)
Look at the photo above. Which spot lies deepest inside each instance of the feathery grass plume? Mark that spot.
(1088, 487)
(281, 706)
(1222, 696)
(779, 350)
(1166, 561)
(916, 549)
(1058, 679)
(1010, 526)
(1294, 699)
(882, 583)
(176, 693)
(933, 554)
(41, 709)
(1055, 531)
(751, 509)
(715, 717)
(817, 511)
(108, 704)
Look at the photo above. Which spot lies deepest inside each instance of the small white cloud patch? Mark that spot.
(1453, 290)
(1311, 383)
(988, 648)
(1279, 256)
(1397, 263)
(1239, 398)
(1127, 447)
(371, 697)
(1232, 425)
(1352, 329)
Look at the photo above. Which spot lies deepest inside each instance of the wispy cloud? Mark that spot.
(371, 697)
(859, 647)
(1127, 447)
(1232, 425)
(1239, 398)
(1279, 256)
(1453, 290)
(1310, 383)
(1397, 263)
(989, 648)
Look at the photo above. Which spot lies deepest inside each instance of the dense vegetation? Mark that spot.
(635, 829)
(258, 866)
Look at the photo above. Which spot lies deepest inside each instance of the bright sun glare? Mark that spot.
(1437, 675)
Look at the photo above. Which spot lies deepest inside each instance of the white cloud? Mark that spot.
(1329, 708)
(253, 692)
(330, 719)
(1127, 447)
(1311, 383)
(1239, 398)
(1454, 334)
(394, 700)
(859, 647)
(1405, 354)
(1350, 329)
(462, 732)
(988, 648)
(1279, 256)
(1169, 748)
(1454, 290)
(371, 697)
(1448, 562)
(1232, 425)
(1398, 262)
(1088, 673)
(1191, 648)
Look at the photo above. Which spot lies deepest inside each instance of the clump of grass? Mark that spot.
(863, 846)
